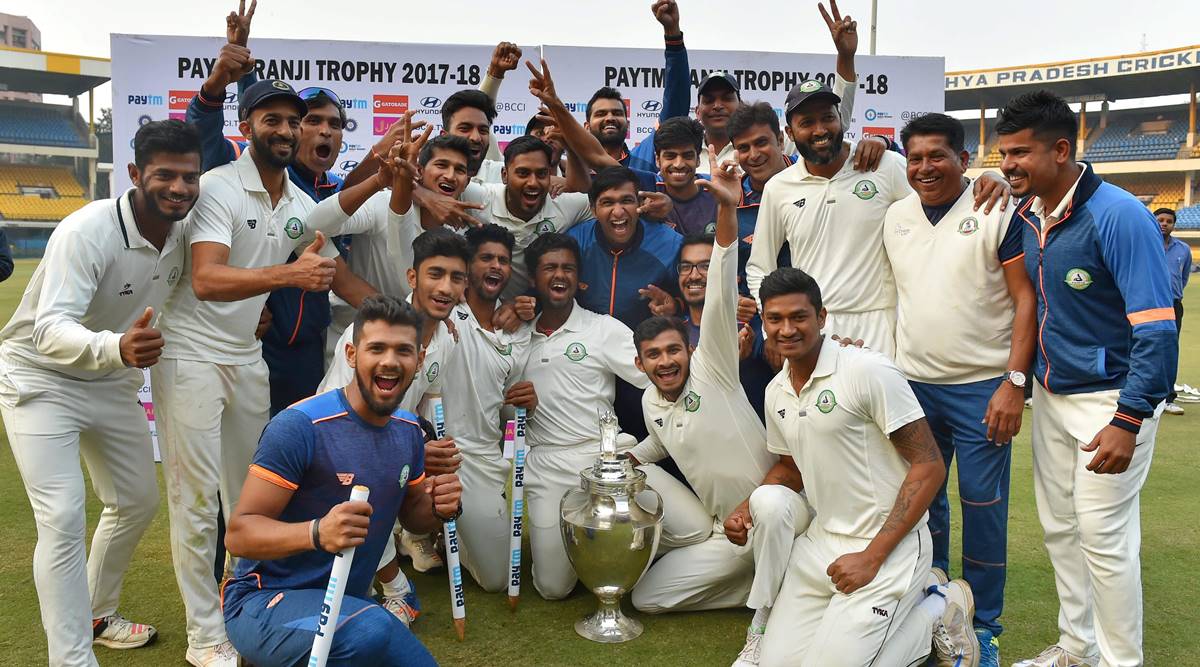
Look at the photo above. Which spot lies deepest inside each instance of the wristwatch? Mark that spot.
(1017, 378)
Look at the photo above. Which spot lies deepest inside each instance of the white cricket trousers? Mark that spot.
(209, 419)
(550, 472)
(814, 625)
(1092, 525)
(714, 573)
(51, 421)
(876, 328)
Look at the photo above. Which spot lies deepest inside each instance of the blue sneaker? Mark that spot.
(989, 648)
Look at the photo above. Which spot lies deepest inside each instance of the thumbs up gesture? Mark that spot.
(141, 344)
(311, 271)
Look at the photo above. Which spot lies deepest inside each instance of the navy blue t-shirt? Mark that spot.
(319, 449)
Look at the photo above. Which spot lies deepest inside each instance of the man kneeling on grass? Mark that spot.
(293, 515)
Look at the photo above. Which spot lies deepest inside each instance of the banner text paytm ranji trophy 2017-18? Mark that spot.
(155, 76)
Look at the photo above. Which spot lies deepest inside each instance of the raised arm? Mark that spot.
(718, 325)
(205, 111)
(677, 75)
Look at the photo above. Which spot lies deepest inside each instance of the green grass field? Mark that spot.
(541, 632)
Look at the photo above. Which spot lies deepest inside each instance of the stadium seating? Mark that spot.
(1125, 139)
(1154, 190)
(38, 125)
(1188, 218)
(38, 193)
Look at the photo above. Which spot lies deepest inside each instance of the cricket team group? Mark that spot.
(797, 332)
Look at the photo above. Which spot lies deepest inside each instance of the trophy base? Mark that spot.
(608, 625)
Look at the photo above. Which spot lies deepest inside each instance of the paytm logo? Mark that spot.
(179, 99)
(354, 103)
(431, 102)
(145, 100)
(391, 104)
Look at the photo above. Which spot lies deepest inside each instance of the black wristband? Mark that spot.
(316, 535)
(447, 519)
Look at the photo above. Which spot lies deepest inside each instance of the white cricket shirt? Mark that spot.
(836, 429)
(424, 382)
(834, 227)
(954, 313)
(574, 371)
(711, 430)
(97, 276)
(480, 369)
(558, 214)
(489, 172)
(234, 209)
(380, 251)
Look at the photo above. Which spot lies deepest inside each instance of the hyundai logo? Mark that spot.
(651, 105)
(349, 165)
(430, 102)
(230, 98)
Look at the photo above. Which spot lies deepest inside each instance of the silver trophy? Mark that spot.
(610, 535)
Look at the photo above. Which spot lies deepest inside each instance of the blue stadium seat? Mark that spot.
(1120, 141)
(38, 125)
(1188, 218)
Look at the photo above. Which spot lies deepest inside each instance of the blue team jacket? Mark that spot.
(677, 101)
(1105, 319)
(609, 280)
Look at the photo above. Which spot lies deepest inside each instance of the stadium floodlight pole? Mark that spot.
(874, 14)
(331, 606)
(458, 600)
(515, 430)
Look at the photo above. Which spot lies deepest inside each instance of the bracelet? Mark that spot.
(315, 532)
(447, 519)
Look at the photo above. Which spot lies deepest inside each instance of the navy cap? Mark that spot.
(719, 78)
(269, 89)
(806, 91)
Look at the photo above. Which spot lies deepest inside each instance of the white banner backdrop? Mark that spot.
(891, 89)
(154, 77)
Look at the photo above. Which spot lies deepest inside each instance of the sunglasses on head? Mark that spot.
(313, 92)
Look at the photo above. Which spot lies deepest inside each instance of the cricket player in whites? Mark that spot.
(697, 394)
(68, 386)
(211, 388)
(858, 588)
(964, 339)
(1107, 349)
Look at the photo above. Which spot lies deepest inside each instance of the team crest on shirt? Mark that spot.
(432, 373)
(504, 350)
(968, 227)
(576, 352)
(294, 228)
(404, 475)
(710, 228)
(1078, 279)
(865, 189)
(545, 227)
(691, 402)
(826, 401)
(173, 277)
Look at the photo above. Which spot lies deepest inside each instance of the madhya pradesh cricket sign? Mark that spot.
(155, 76)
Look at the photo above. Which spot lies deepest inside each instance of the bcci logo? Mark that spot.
(865, 190)
(294, 228)
(575, 352)
(1078, 279)
(826, 401)
(544, 227)
(691, 402)
(968, 226)
(432, 373)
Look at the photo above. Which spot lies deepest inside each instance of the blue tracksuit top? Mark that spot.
(677, 101)
(609, 279)
(1105, 318)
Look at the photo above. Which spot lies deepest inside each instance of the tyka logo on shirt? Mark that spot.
(251, 223)
(826, 401)
(576, 352)
(659, 421)
(294, 228)
(127, 290)
(691, 402)
(865, 189)
(1078, 279)
(799, 203)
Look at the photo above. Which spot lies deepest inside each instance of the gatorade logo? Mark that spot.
(179, 99)
(391, 104)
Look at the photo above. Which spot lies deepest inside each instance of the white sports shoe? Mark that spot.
(422, 551)
(1172, 409)
(751, 651)
(221, 655)
(1056, 656)
(954, 640)
(116, 631)
(400, 608)
(940, 575)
